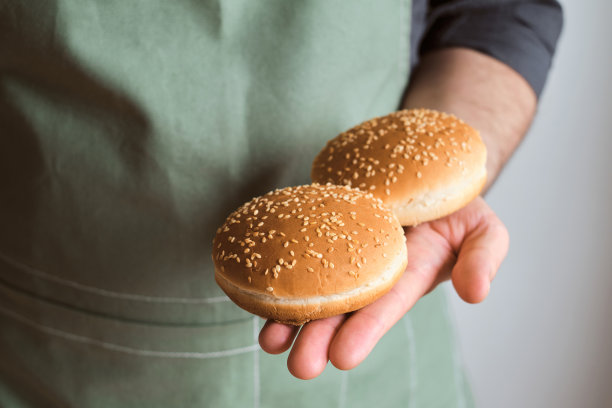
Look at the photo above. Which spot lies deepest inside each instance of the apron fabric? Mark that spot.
(128, 131)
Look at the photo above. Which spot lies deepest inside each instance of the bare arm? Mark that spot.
(484, 92)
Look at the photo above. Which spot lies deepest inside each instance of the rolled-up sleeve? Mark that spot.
(522, 34)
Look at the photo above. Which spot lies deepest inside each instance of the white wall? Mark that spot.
(543, 338)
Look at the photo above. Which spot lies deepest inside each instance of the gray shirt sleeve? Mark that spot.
(521, 33)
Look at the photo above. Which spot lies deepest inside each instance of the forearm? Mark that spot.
(482, 91)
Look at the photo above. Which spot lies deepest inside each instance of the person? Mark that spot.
(129, 130)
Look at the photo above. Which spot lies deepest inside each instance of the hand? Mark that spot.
(467, 247)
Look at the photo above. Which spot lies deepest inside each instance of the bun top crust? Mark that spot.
(306, 241)
(403, 156)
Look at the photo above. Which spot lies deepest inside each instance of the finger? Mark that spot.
(309, 354)
(275, 338)
(360, 333)
(480, 256)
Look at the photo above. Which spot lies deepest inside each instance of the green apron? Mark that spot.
(128, 131)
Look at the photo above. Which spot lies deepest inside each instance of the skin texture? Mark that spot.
(467, 246)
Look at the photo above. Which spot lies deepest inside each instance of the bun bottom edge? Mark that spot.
(298, 314)
(417, 213)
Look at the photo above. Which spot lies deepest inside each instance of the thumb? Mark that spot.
(479, 258)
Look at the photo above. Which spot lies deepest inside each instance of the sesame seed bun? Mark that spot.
(421, 163)
(309, 252)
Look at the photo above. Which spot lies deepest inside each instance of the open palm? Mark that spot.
(467, 246)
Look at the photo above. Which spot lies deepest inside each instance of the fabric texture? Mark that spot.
(129, 130)
(521, 33)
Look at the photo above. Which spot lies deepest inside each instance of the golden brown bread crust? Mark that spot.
(313, 242)
(440, 204)
(300, 313)
(422, 163)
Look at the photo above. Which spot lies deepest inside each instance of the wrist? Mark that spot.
(485, 93)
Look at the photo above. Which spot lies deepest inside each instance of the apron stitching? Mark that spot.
(343, 388)
(404, 41)
(124, 349)
(103, 292)
(457, 362)
(256, 383)
(412, 369)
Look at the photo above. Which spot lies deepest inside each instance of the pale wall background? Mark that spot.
(543, 338)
